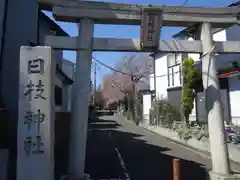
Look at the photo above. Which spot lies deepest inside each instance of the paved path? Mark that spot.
(117, 149)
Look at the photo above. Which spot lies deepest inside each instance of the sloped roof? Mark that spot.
(54, 26)
(68, 62)
(63, 76)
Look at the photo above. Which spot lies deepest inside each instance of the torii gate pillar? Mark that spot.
(80, 100)
(218, 146)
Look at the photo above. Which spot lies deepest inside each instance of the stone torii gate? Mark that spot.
(150, 18)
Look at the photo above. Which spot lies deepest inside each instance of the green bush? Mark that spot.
(190, 75)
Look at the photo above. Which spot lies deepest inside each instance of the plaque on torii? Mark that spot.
(151, 22)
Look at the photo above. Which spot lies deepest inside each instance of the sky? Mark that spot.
(126, 31)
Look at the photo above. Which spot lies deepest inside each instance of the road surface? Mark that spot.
(118, 149)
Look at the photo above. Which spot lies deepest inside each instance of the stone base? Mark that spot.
(214, 176)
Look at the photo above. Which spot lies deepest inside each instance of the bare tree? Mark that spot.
(110, 92)
(129, 75)
(99, 100)
(134, 71)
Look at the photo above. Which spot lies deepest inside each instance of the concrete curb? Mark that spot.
(195, 150)
(202, 153)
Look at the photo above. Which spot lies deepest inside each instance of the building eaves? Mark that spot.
(67, 62)
(157, 55)
(63, 76)
(54, 26)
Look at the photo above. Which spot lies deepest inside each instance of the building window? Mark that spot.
(171, 60)
(174, 70)
(179, 58)
(174, 59)
(168, 75)
(180, 75)
(172, 75)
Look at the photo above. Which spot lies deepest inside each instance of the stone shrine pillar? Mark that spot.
(35, 159)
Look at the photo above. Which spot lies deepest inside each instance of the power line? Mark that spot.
(128, 74)
(185, 3)
(111, 68)
(124, 73)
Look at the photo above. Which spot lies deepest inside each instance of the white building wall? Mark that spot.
(234, 96)
(220, 36)
(161, 78)
(147, 102)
